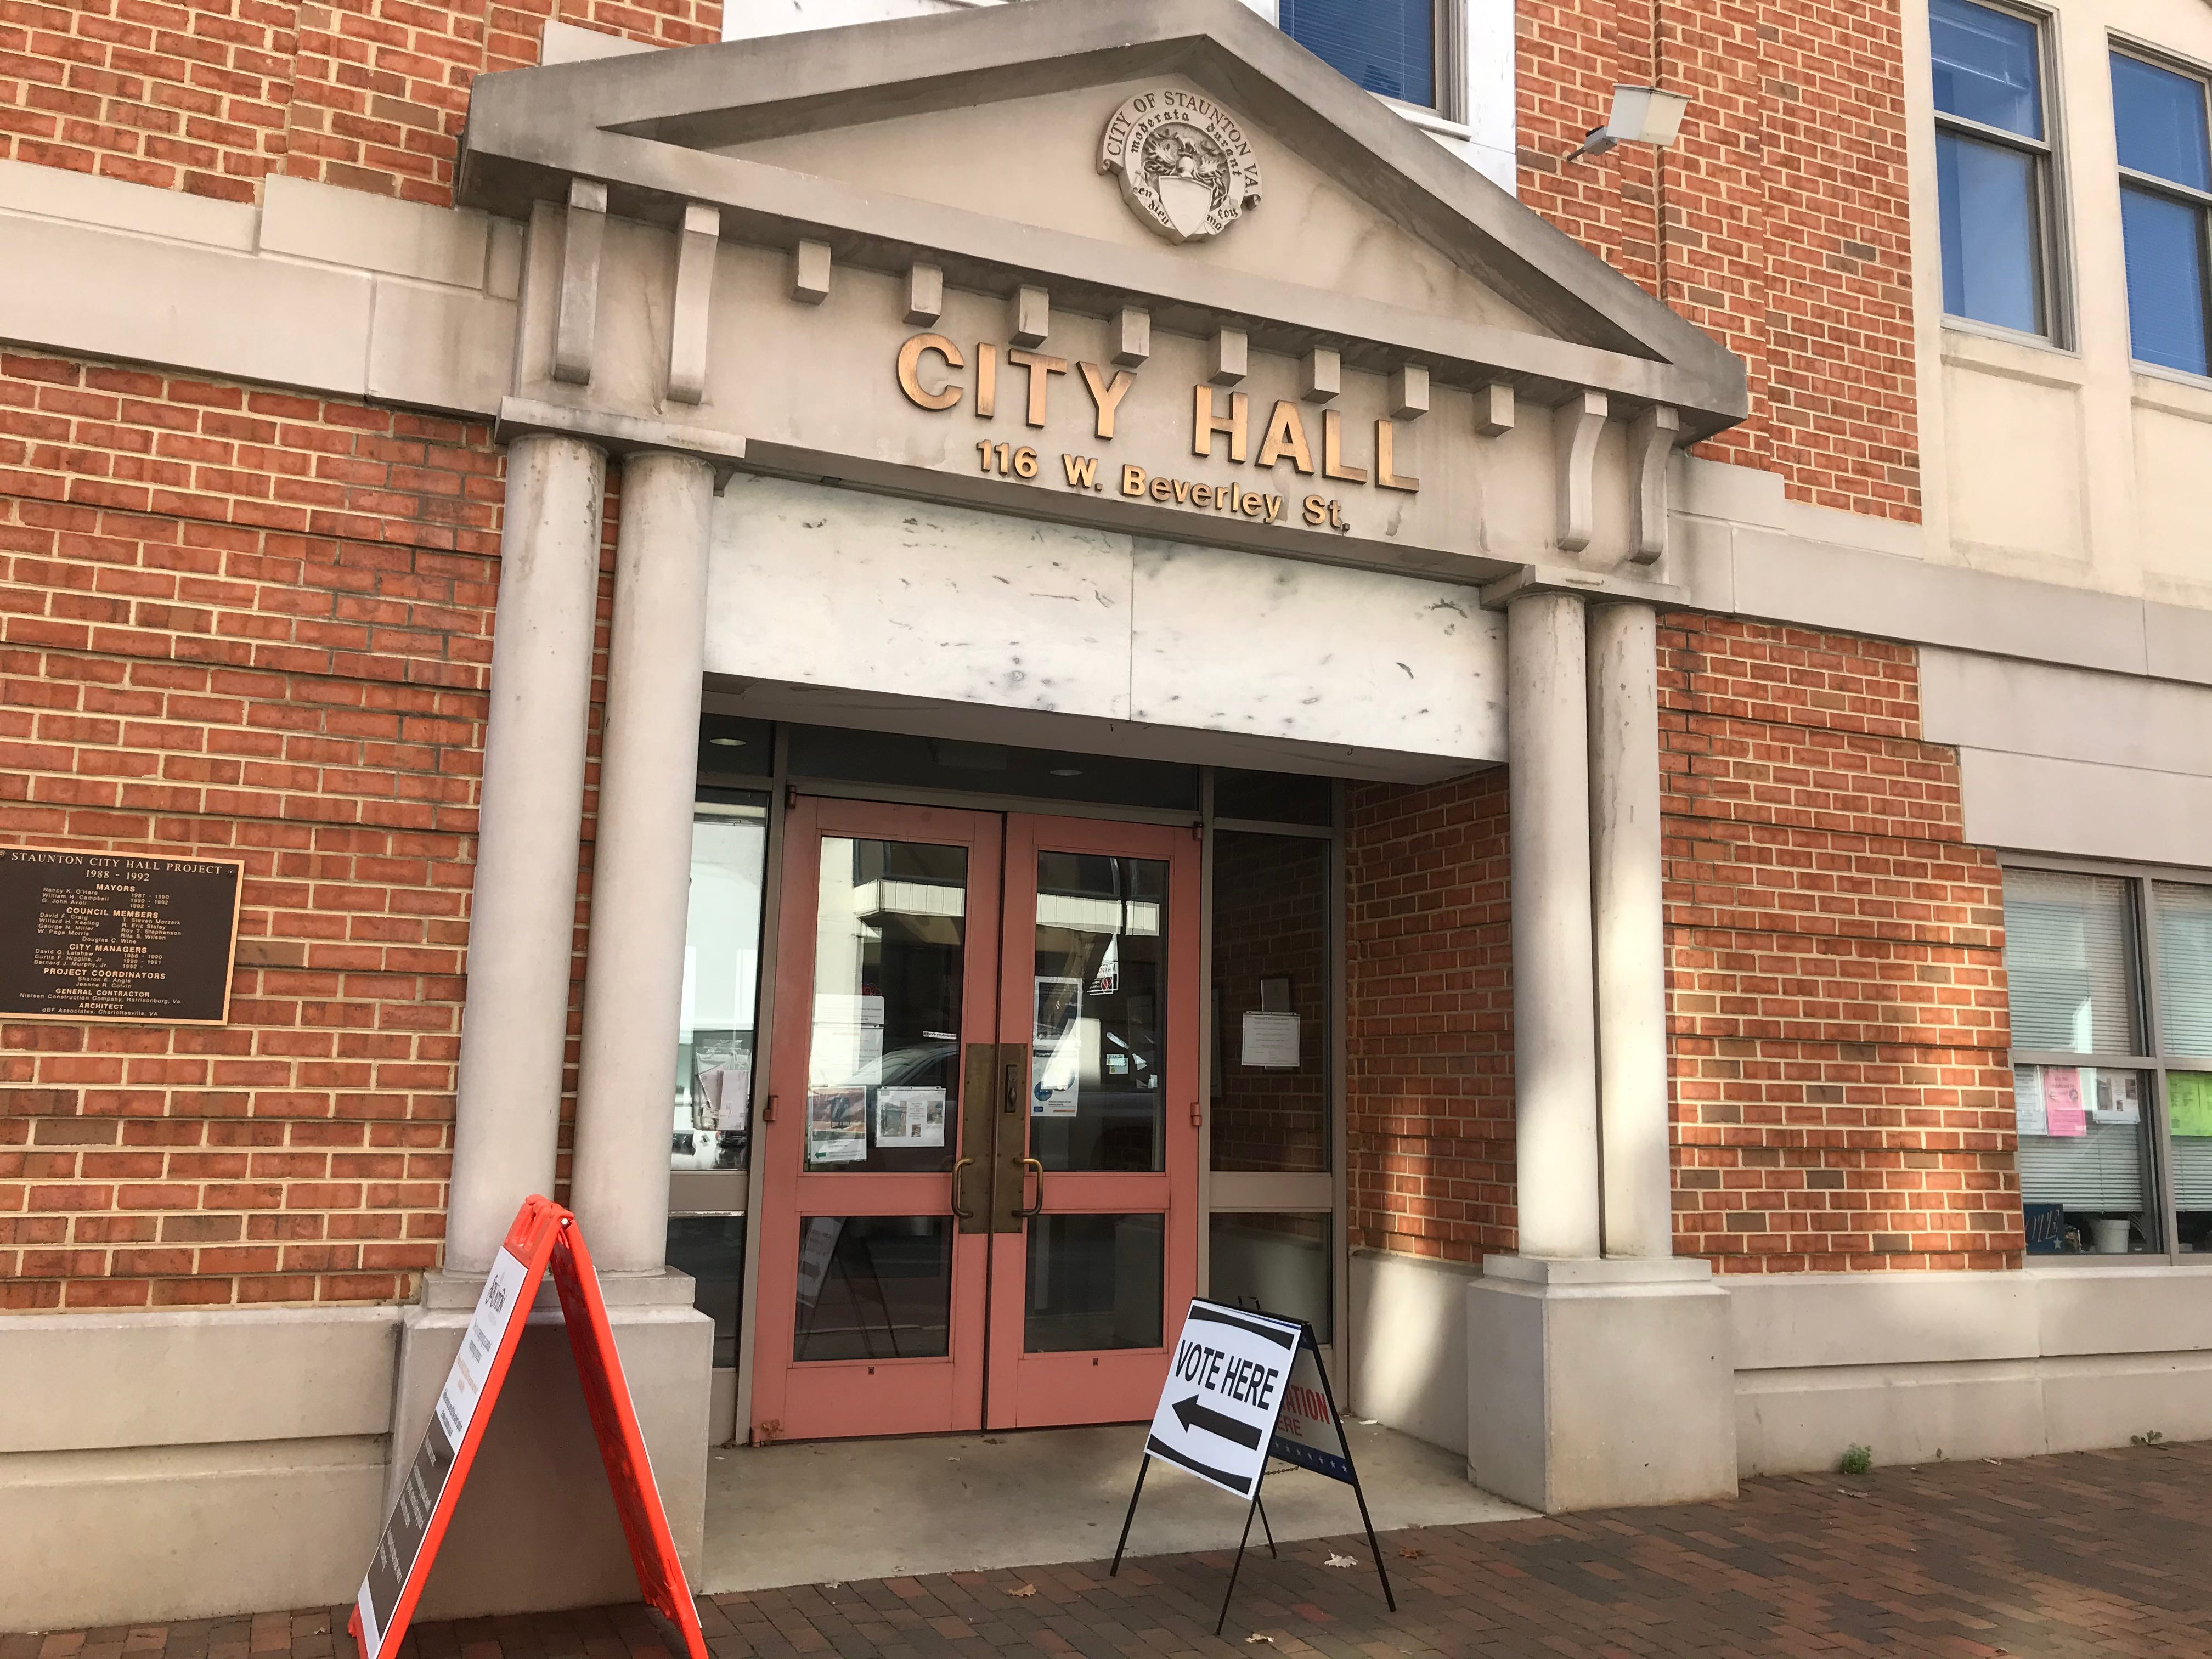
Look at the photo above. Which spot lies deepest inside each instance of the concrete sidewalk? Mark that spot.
(2090, 1556)
(886, 1508)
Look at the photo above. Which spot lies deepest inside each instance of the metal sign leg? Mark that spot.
(1269, 1530)
(1238, 1565)
(1357, 1491)
(1139, 1491)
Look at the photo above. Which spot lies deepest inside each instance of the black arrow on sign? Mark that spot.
(1191, 1414)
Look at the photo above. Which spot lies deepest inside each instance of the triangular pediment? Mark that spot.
(971, 140)
(1034, 158)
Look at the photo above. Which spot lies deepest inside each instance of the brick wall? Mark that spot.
(252, 624)
(1429, 1019)
(1835, 969)
(207, 96)
(1836, 965)
(1778, 222)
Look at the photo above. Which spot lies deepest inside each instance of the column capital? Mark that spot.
(1593, 585)
(621, 435)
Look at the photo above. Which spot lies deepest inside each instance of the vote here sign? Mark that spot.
(1224, 1392)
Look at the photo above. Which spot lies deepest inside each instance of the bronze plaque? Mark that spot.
(116, 937)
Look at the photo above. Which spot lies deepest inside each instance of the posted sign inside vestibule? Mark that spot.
(1226, 1381)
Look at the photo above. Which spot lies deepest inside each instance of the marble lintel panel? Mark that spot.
(821, 586)
(1242, 642)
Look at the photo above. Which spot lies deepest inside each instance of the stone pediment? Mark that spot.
(1039, 154)
(971, 139)
(1145, 266)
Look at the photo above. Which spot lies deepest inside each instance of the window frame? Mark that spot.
(2140, 881)
(1448, 55)
(2049, 247)
(2122, 45)
(1319, 1193)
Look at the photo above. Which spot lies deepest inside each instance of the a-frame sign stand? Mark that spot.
(1243, 1387)
(543, 1236)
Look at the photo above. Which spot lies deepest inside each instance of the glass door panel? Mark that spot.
(883, 1071)
(1097, 1056)
(1101, 933)
(872, 1294)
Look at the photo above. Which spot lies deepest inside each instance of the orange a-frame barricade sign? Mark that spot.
(543, 1234)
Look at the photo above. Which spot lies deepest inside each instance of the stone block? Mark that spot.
(1599, 1384)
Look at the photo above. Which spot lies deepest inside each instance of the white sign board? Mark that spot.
(1225, 1391)
(406, 1528)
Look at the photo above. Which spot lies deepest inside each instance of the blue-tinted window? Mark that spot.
(2165, 242)
(1987, 66)
(2159, 117)
(1388, 47)
(1985, 196)
(1989, 163)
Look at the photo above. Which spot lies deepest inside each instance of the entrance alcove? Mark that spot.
(1304, 1133)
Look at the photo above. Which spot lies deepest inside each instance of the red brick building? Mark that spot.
(1576, 878)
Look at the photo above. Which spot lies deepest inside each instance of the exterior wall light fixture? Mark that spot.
(1641, 115)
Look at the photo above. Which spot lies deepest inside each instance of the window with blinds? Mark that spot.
(2085, 1162)
(2111, 989)
(2185, 1031)
(2185, 969)
(1388, 47)
(2070, 959)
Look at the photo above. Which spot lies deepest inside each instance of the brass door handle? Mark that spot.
(958, 1209)
(1029, 1163)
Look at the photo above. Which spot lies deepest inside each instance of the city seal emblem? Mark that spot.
(1184, 166)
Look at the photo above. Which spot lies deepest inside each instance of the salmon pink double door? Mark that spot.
(978, 1205)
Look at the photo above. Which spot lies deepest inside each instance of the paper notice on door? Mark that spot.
(1057, 1058)
(2118, 1098)
(2028, 1116)
(909, 1117)
(1271, 1042)
(848, 1038)
(837, 1126)
(814, 1252)
(2188, 1101)
(2062, 1101)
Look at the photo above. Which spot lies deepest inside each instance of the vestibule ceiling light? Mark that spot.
(727, 742)
(1641, 115)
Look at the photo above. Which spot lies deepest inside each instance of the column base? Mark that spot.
(536, 1530)
(1598, 1385)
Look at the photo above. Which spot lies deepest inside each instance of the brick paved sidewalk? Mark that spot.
(2099, 1554)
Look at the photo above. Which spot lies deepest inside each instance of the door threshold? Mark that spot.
(988, 1436)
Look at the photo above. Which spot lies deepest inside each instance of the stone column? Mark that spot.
(1630, 932)
(546, 1534)
(1599, 1369)
(640, 872)
(1554, 1043)
(514, 1020)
